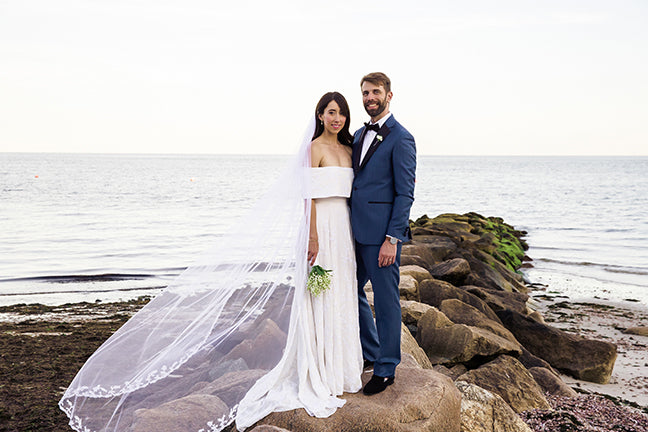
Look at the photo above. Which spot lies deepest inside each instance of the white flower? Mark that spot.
(379, 137)
(319, 280)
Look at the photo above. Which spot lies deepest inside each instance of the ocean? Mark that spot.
(89, 227)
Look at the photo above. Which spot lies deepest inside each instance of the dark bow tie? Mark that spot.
(374, 127)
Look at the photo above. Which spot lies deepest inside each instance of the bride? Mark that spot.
(237, 335)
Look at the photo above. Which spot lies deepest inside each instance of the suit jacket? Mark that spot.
(383, 186)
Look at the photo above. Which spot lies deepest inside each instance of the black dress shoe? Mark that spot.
(367, 364)
(377, 384)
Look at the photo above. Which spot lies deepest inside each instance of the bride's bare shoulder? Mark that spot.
(317, 152)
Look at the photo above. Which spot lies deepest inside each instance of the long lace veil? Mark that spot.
(198, 346)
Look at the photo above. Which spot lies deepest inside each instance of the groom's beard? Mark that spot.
(382, 105)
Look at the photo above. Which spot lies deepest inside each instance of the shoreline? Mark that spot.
(604, 320)
(44, 346)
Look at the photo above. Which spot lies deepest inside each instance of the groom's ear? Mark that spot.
(389, 96)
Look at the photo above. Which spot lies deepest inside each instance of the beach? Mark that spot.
(607, 321)
(43, 347)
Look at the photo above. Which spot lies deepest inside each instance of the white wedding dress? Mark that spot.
(323, 355)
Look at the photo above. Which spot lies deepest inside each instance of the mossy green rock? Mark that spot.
(489, 234)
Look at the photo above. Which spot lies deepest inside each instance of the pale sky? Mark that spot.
(475, 77)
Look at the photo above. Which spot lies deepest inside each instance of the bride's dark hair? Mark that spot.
(344, 136)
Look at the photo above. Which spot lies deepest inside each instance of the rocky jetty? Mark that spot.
(466, 315)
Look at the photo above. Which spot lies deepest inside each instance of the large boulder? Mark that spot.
(499, 300)
(408, 287)
(231, 387)
(461, 313)
(191, 412)
(437, 247)
(413, 261)
(411, 347)
(427, 253)
(412, 311)
(448, 343)
(586, 359)
(529, 361)
(433, 292)
(507, 377)
(453, 271)
(551, 383)
(483, 411)
(417, 272)
(269, 336)
(419, 400)
(483, 274)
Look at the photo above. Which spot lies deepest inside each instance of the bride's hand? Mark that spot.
(313, 249)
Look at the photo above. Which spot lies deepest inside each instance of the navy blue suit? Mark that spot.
(381, 198)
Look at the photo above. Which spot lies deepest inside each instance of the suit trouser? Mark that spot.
(380, 339)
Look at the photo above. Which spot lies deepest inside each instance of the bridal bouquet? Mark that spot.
(319, 280)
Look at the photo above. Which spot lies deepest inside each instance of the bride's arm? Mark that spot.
(313, 241)
(313, 244)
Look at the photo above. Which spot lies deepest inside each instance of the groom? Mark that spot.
(384, 164)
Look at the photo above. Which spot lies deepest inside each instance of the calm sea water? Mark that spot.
(80, 227)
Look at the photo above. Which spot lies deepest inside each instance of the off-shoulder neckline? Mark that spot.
(332, 166)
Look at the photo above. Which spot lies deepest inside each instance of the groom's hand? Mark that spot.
(387, 254)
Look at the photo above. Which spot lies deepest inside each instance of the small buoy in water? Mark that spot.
(35, 176)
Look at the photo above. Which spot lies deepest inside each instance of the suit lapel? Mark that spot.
(382, 132)
(357, 151)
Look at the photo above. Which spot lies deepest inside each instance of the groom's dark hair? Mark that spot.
(377, 79)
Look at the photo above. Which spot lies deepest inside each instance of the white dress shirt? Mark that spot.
(369, 137)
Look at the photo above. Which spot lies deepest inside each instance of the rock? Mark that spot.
(461, 313)
(230, 388)
(268, 428)
(225, 367)
(417, 272)
(550, 383)
(529, 361)
(507, 377)
(484, 275)
(433, 292)
(448, 343)
(454, 372)
(453, 271)
(413, 261)
(586, 359)
(486, 243)
(412, 311)
(436, 247)
(536, 316)
(639, 331)
(419, 400)
(483, 411)
(408, 287)
(429, 253)
(409, 346)
(268, 337)
(498, 300)
(188, 413)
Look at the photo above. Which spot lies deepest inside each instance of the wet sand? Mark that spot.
(607, 321)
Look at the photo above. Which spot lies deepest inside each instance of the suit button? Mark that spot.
(355, 188)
